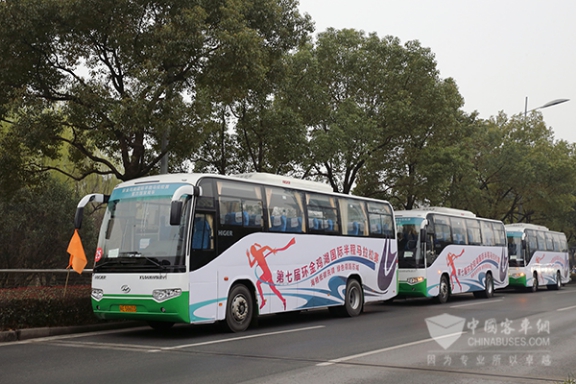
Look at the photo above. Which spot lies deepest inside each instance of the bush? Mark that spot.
(45, 307)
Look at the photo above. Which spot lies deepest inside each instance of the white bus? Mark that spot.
(200, 248)
(444, 251)
(538, 257)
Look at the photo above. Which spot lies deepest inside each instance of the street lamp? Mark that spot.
(548, 104)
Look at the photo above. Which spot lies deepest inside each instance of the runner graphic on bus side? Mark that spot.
(450, 258)
(257, 252)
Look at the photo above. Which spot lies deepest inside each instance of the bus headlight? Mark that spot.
(164, 294)
(97, 294)
(415, 280)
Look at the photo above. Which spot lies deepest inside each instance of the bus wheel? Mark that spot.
(239, 308)
(534, 286)
(443, 290)
(354, 301)
(160, 326)
(558, 284)
(488, 288)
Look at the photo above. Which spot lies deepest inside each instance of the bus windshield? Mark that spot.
(136, 234)
(409, 253)
(515, 249)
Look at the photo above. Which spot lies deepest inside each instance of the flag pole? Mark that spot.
(66, 284)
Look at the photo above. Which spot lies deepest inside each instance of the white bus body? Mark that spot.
(538, 257)
(199, 248)
(444, 251)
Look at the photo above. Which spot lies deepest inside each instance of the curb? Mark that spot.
(34, 333)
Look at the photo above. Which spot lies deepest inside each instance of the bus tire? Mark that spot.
(534, 286)
(160, 326)
(443, 290)
(354, 298)
(353, 301)
(558, 284)
(239, 308)
(488, 291)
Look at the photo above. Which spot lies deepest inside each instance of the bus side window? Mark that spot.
(323, 212)
(202, 235)
(442, 236)
(459, 232)
(487, 233)
(473, 231)
(531, 244)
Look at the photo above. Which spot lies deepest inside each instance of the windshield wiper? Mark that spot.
(155, 262)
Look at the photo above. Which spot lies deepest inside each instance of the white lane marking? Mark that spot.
(566, 291)
(479, 302)
(566, 308)
(346, 358)
(115, 347)
(240, 338)
(71, 336)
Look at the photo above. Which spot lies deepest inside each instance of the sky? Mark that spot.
(499, 52)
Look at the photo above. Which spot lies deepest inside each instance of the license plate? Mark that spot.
(127, 308)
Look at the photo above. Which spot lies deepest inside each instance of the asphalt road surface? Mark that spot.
(513, 337)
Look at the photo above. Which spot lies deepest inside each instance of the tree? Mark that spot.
(518, 172)
(362, 97)
(123, 83)
(36, 226)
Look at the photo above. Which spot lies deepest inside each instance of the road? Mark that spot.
(511, 338)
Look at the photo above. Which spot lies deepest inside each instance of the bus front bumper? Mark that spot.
(134, 307)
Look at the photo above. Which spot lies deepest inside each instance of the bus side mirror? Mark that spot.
(94, 197)
(78, 217)
(175, 212)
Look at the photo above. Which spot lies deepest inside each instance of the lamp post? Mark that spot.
(548, 104)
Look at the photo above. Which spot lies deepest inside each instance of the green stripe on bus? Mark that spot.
(518, 282)
(142, 307)
(415, 290)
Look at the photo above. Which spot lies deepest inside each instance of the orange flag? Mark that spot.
(77, 256)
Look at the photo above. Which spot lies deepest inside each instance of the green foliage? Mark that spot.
(521, 174)
(363, 99)
(45, 307)
(121, 83)
(37, 224)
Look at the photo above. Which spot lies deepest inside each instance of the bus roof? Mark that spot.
(285, 181)
(422, 212)
(257, 178)
(523, 226)
(260, 178)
